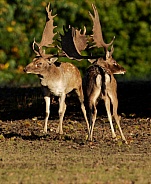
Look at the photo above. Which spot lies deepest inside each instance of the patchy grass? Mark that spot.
(29, 156)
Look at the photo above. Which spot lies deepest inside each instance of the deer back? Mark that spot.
(97, 82)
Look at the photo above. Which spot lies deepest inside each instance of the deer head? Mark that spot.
(109, 64)
(39, 65)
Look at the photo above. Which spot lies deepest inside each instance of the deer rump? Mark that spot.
(94, 80)
(95, 84)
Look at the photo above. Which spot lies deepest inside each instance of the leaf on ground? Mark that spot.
(2, 137)
(27, 123)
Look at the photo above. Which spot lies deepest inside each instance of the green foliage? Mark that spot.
(129, 21)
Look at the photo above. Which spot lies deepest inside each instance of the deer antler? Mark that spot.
(73, 42)
(79, 39)
(47, 36)
(97, 30)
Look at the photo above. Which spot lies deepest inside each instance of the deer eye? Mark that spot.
(38, 64)
(115, 64)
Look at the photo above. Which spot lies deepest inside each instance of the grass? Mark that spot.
(63, 162)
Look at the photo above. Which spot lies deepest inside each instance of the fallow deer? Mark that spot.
(99, 80)
(99, 83)
(57, 78)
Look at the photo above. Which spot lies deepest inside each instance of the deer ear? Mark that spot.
(52, 60)
(92, 60)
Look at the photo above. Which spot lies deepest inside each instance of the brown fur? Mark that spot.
(58, 79)
(98, 83)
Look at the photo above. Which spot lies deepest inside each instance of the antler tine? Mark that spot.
(112, 50)
(97, 30)
(33, 45)
(84, 31)
(49, 12)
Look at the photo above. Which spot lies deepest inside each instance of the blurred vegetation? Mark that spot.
(21, 21)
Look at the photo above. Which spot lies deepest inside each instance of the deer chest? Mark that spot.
(55, 87)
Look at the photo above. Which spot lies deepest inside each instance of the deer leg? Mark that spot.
(107, 105)
(81, 98)
(47, 101)
(62, 109)
(93, 110)
(92, 105)
(117, 118)
(92, 119)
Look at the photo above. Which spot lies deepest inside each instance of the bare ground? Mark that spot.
(29, 156)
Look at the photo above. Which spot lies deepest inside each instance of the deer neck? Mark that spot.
(51, 71)
(50, 75)
(101, 62)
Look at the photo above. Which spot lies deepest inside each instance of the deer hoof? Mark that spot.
(89, 138)
(125, 141)
(114, 138)
(58, 131)
(44, 131)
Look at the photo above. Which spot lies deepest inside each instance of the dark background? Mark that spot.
(21, 103)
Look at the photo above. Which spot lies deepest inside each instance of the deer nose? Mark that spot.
(25, 70)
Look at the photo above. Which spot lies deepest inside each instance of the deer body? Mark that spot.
(57, 78)
(98, 83)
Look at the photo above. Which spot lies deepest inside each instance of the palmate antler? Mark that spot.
(97, 34)
(47, 36)
(73, 42)
(80, 39)
(97, 30)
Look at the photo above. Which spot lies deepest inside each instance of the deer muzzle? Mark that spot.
(25, 70)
